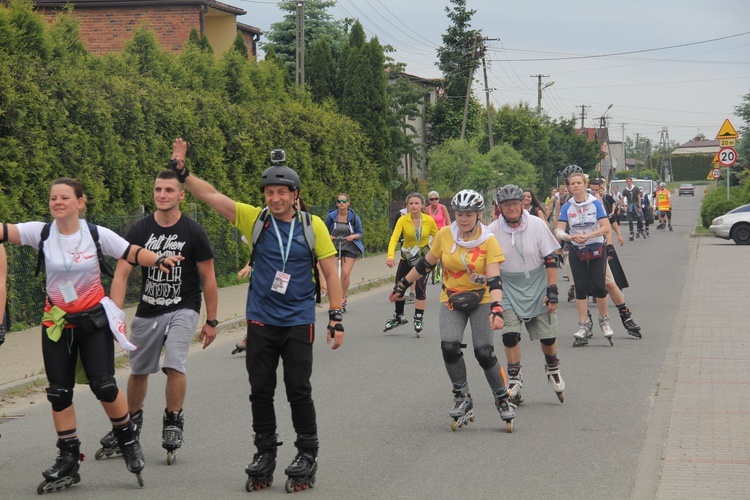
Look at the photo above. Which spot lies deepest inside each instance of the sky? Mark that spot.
(687, 67)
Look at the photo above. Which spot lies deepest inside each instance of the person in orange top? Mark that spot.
(664, 206)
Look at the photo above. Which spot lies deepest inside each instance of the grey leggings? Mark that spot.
(452, 326)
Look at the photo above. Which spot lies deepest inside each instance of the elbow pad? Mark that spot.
(423, 267)
(550, 261)
(495, 283)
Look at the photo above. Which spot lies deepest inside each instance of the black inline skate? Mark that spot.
(260, 471)
(240, 346)
(506, 409)
(127, 439)
(171, 434)
(418, 324)
(463, 410)
(396, 321)
(571, 293)
(301, 471)
(630, 325)
(110, 448)
(64, 473)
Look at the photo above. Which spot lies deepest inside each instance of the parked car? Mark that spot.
(734, 224)
(686, 189)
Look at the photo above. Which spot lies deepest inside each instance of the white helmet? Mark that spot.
(468, 200)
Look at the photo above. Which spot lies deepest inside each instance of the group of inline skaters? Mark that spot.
(495, 277)
(508, 271)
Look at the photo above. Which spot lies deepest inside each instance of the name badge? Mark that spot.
(280, 282)
(68, 292)
(479, 279)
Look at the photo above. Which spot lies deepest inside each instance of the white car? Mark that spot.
(734, 225)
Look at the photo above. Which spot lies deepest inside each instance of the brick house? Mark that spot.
(107, 25)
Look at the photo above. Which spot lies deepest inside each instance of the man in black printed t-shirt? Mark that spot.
(169, 306)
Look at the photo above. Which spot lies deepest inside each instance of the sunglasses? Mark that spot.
(341, 201)
(434, 199)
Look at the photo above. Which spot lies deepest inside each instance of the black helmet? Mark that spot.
(468, 200)
(509, 192)
(280, 175)
(570, 170)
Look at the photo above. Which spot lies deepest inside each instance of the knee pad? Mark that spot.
(104, 388)
(486, 356)
(511, 339)
(451, 351)
(60, 397)
(548, 342)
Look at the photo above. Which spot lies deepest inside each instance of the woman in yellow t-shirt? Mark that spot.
(471, 258)
(416, 228)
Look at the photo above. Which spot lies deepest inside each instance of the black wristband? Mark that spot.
(552, 294)
(335, 315)
(496, 309)
(159, 261)
(182, 174)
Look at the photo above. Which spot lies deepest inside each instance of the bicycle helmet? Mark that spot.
(468, 200)
(509, 192)
(280, 175)
(662, 184)
(570, 170)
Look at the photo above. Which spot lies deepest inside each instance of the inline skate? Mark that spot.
(301, 471)
(110, 448)
(515, 385)
(583, 334)
(127, 439)
(418, 324)
(260, 470)
(571, 293)
(395, 322)
(64, 472)
(554, 378)
(506, 409)
(606, 327)
(463, 410)
(630, 325)
(171, 434)
(241, 345)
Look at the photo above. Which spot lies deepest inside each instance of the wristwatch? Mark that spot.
(212, 322)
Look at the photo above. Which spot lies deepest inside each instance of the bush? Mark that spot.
(716, 204)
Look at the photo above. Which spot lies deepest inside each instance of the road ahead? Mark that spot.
(382, 403)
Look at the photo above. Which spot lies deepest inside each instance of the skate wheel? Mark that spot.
(471, 419)
(170, 457)
(41, 489)
(140, 479)
(611, 344)
(289, 485)
(249, 485)
(453, 426)
(235, 351)
(311, 482)
(561, 397)
(509, 425)
(99, 454)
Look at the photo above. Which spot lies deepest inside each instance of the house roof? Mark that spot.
(416, 79)
(704, 147)
(249, 29)
(139, 3)
(595, 134)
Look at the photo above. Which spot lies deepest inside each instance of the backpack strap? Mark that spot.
(103, 266)
(40, 255)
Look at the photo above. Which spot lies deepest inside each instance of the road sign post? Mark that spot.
(726, 156)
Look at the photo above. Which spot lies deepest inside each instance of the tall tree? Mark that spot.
(457, 62)
(320, 71)
(318, 23)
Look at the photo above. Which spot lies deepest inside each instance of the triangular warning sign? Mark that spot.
(727, 131)
(715, 161)
(710, 176)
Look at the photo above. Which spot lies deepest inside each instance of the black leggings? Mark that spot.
(266, 344)
(588, 275)
(97, 350)
(420, 287)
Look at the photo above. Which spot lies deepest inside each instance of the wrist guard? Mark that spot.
(182, 174)
(159, 261)
(552, 294)
(610, 250)
(496, 309)
(401, 287)
(2, 334)
(335, 315)
(332, 329)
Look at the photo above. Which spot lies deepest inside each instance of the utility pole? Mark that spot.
(468, 86)
(664, 172)
(300, 46)
(487, 90)
(635, 153)
(539, 91)
(583, 113)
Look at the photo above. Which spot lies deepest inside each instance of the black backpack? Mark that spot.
(94, 234)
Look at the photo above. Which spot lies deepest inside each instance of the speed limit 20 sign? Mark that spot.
(727, 157)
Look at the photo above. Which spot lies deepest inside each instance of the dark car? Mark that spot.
(686, 189)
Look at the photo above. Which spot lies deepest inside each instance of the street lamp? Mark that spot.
(539, 96)
(603, 124)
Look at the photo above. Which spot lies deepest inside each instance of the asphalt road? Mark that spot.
(382, 403)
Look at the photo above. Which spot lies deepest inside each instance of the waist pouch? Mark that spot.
(590, 252)
(414, 259)
(464, 301)
(89, 320)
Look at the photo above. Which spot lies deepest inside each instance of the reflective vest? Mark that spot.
(663, 200)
